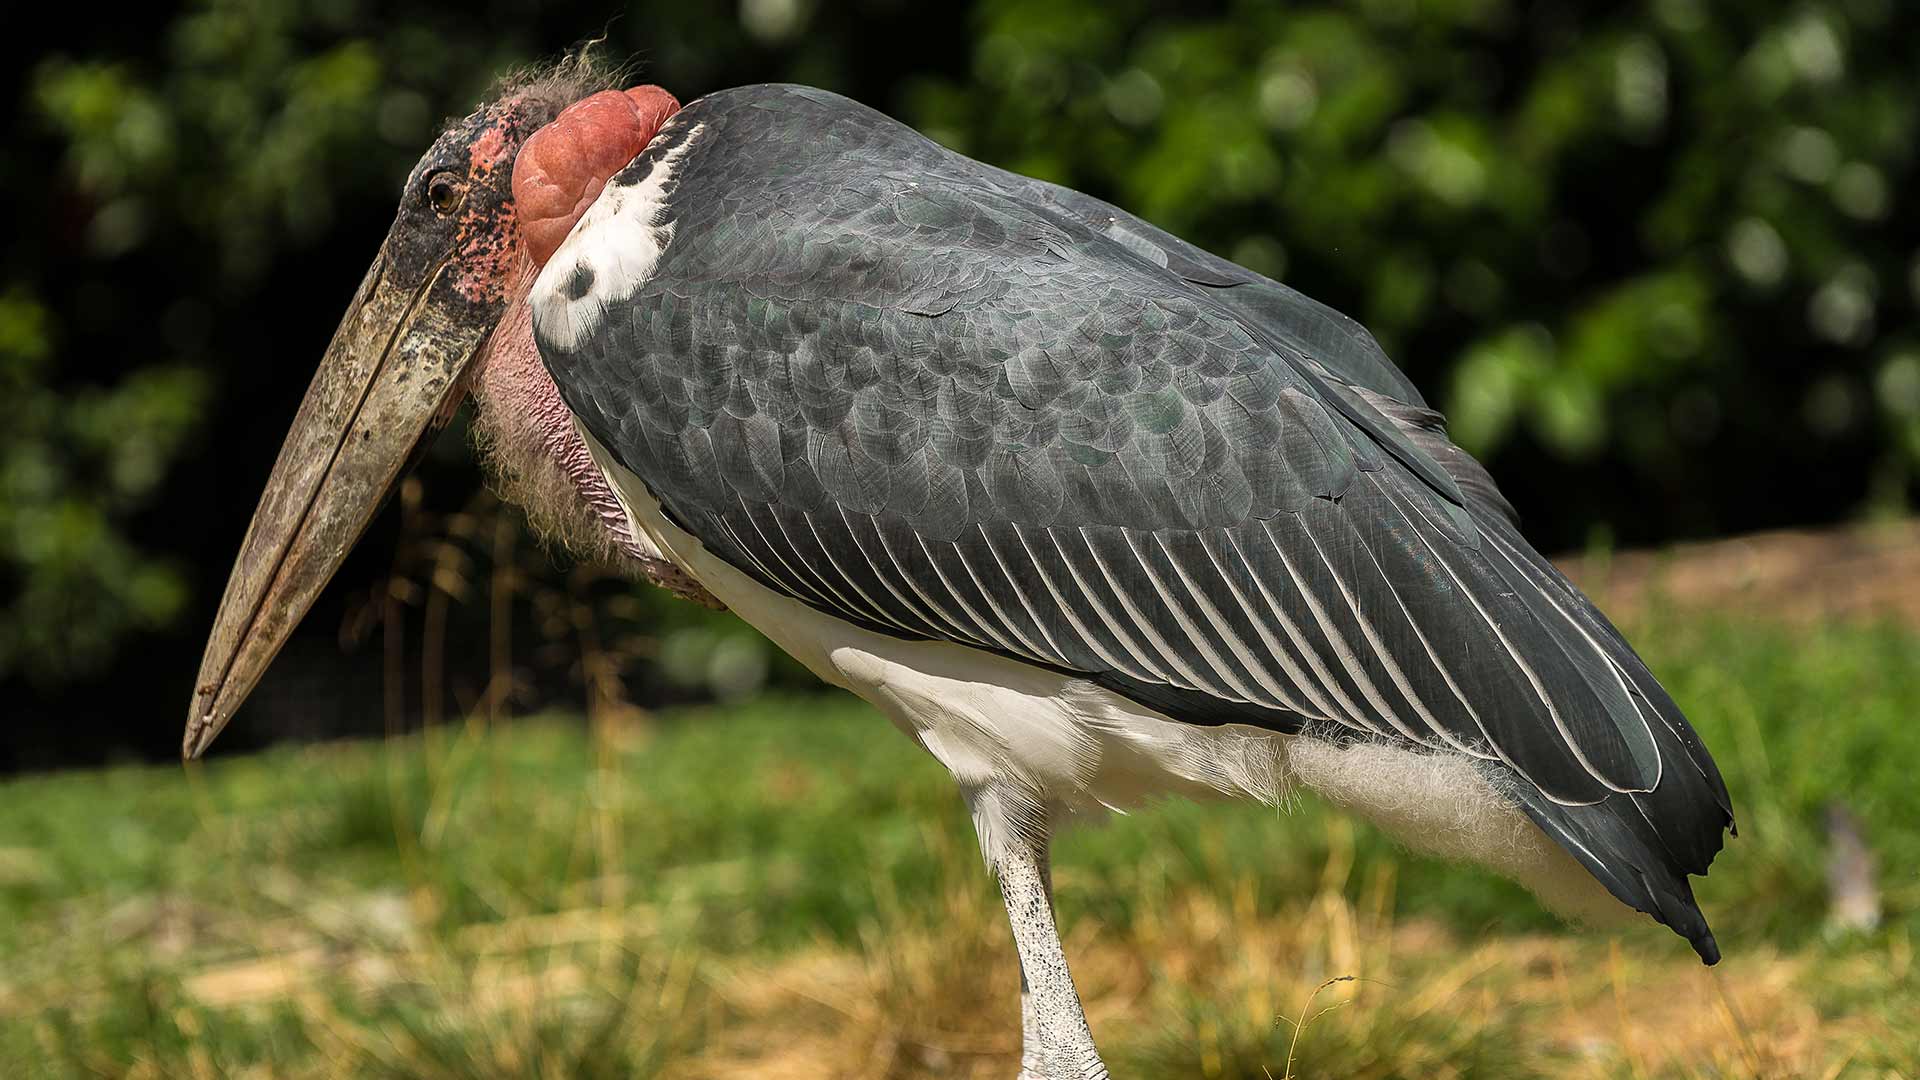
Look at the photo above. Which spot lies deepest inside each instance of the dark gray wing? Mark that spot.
(1336, 343)
(1427, 429)
(870, 375)
(1322, 337)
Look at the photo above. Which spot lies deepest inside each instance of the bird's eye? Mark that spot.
(444, 193)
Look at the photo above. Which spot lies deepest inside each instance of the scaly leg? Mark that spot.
(1057, 1044)
(1030, 1065)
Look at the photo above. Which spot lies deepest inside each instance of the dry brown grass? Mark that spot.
(1804, 576)
(1206, 984)
(1213, 988)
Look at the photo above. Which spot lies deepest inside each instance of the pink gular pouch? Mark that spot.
(525, 429)
(564, 165)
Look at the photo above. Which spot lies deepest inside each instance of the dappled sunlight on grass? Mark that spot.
(789, 889)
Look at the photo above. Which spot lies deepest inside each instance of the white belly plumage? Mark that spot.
(1082, 750)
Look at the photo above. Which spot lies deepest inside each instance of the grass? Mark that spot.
(790, 889)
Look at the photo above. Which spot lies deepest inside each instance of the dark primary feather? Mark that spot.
(944, 401)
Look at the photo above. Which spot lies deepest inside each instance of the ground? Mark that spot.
(790, 889)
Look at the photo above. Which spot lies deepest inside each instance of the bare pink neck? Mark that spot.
(528, 437)
(513, 385)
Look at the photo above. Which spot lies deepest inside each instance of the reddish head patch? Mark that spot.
(562, 168)
(484, 242)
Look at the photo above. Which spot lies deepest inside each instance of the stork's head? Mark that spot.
(487, 205)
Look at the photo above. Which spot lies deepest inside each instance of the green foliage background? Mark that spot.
(1659, 261)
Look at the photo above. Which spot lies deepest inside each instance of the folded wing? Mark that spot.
(902, 388)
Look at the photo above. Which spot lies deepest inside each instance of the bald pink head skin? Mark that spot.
(526, 428)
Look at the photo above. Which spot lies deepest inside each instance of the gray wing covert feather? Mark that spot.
(886, 381)
(1335, 342)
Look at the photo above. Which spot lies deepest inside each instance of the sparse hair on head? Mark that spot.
(550, 87)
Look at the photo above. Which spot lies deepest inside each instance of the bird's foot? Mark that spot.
(1084, 1066)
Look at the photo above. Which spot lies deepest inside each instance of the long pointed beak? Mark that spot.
(390, 378)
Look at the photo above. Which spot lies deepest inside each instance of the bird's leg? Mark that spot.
(1057, 1044)
(1030, 1063)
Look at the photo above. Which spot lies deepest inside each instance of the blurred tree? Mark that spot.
(72, 467)
(1662, 253)
(192, 195)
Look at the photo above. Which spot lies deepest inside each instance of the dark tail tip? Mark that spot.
(1631, 860)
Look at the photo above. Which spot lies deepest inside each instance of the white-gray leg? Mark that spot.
(1031, 1067)
(1030, 1063)
(1057, 1044)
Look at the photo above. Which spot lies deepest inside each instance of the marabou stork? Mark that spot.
(1088, 512)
